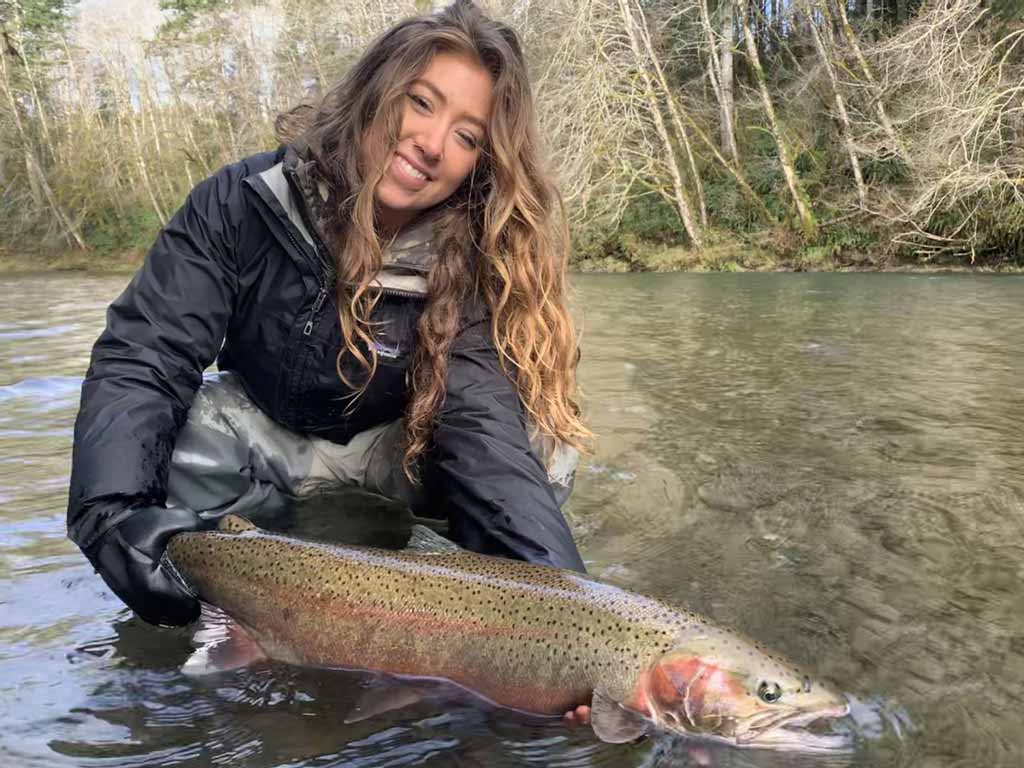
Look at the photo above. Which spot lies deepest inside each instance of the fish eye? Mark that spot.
(769, 693)
(807, 684)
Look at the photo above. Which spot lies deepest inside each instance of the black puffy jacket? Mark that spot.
(234, 278)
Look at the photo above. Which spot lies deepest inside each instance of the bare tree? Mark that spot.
(680, 196)
(593, 110)
(961, 98)
(36, 178)
(876, 96)
(803, 208)
(825, 56)
(675, 110)
(105, 131)
(720, 71)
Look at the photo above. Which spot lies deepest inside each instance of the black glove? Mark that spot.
(128, 556)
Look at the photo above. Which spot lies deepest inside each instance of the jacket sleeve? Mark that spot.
(493, 487)
(161, 334)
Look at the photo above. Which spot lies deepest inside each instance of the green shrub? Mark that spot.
(109, 232)
(602, 246)
(884, 171)
(654, 219)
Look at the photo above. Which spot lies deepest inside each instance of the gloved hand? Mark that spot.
(128, 556)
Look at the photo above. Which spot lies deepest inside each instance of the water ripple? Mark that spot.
(53, 391)
(36, 333)
(831, 463)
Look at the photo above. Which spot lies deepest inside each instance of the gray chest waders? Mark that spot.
(231, 458)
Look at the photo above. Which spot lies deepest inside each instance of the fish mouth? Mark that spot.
(788, 731)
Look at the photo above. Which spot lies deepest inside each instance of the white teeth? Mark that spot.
(408, 167)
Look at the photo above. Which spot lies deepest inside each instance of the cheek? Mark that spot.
(720, 692)
(703, 690)
(458, 170)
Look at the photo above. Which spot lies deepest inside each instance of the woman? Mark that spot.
(384, 298)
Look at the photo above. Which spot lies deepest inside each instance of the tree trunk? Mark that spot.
(188, 118)
(121, 88)
(70, 231)
(728, 100)
(91, 120)
(674, 110)
(37, 180)
(34, 190)
(807, 222)
(734, 171)
(681, 198)
(20, 42)
(844, 118)
(720, 74)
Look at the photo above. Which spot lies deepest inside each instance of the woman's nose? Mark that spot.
(431, 142)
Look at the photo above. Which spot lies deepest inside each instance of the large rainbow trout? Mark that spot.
(527, 637)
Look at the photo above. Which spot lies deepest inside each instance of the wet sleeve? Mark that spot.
(161, 334)
(492, 485)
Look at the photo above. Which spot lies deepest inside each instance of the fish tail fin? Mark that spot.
(222, 644)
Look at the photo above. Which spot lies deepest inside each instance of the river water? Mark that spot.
(832, 463)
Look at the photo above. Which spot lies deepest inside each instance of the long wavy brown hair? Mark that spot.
(501, 238)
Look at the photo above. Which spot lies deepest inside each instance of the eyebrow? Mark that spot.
(441, 97)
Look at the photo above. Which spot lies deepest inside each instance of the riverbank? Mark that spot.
(846, 248)
(70, 261)
(639, 257)
(659, 258)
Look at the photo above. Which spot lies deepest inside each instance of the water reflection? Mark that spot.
(830, 463)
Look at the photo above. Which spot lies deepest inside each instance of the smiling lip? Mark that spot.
(403, 176)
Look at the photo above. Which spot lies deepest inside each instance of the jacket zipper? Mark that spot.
(321, 297)
(387, 291)
(317, 305)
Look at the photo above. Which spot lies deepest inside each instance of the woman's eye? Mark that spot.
(769, 693)
(469, 140)
(419, 101)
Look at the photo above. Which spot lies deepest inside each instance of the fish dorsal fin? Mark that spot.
(612, 722)
(427, 542)
(235, 524)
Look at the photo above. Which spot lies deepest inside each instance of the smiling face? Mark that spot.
(444, 127)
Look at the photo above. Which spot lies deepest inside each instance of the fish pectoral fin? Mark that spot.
(376, 701)
(614, 723)
(222, 644)
(426, 542)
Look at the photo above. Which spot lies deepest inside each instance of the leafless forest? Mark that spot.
(807, 131)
